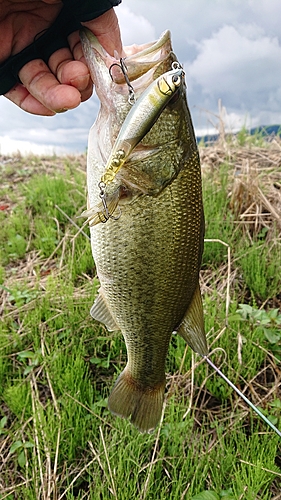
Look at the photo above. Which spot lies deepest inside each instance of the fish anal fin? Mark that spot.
(142, 404)
(100, 312)
(191, 328)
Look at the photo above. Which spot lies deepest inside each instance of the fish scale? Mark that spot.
(148, 260)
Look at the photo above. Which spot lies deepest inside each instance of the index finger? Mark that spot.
(42, 84)
(20, 96)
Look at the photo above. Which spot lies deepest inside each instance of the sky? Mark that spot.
(230, 51)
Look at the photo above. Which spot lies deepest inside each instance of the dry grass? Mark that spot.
(254, 194)
(255, 191)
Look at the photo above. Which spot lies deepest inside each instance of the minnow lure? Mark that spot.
(141, 117)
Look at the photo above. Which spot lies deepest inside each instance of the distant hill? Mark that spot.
(263, 130)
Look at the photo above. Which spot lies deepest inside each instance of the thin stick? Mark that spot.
(185, 491)
(146, 484)
(249, 403)
(192, 387)
(262, 468)
(88, 409)
(108, 463)
(36, 433)
(227, 302)
(80, 230)
(76, 477)
(54, 252)
(11, 489)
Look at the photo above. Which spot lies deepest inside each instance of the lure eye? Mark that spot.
(176, 80)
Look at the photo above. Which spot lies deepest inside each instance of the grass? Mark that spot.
(57, 438)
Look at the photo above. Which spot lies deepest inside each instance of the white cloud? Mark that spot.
(59, 136)
(236, 59)
(241, 65)
(9, 146)
(135, 28)
(20, 131)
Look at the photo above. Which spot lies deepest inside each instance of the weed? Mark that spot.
(3, 423)
(266, 322)
(19, 448)
(57, 365)
(219, 220)
(258, 265)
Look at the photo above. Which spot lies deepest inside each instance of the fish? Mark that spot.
(147, 251)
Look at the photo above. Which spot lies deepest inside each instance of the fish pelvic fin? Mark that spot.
(142, 403)
(192, 328)
(104, 210)
(100, 312)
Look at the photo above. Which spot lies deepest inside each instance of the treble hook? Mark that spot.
(124, 69)
(106, 213)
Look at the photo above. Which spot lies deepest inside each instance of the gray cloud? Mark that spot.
(234, 58)
(230, 50)
(241, 65)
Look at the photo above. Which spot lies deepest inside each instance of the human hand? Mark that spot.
(65, 81)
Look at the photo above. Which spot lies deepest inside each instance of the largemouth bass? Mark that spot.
(148, 257)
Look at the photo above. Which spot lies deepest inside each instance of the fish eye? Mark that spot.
(176, 80)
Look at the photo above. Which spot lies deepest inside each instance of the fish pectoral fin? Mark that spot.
(100, 312)
(132, 399)
(142, 152)
(103, 210)
(191, 328)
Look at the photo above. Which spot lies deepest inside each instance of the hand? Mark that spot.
(65, 81)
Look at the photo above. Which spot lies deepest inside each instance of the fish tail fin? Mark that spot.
(142, 403)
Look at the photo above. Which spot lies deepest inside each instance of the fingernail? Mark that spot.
(80, 82)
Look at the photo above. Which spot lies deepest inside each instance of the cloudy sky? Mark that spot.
(230, 50)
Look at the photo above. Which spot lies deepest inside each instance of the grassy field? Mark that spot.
(57, 365)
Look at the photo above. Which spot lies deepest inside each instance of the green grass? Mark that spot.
(258, 264)
(57, 365)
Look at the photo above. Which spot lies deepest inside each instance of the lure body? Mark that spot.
(140, 119)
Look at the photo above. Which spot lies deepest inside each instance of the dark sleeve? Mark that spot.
(86, 10)
(54, 38)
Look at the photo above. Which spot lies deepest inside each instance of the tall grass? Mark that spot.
(57, 365)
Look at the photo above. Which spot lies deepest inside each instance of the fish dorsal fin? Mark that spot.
(191, 328)
(100, 312)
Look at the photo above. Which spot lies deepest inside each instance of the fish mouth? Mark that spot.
(141, 58)
(143, 63)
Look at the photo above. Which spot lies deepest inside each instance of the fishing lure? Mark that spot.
(141, 117)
